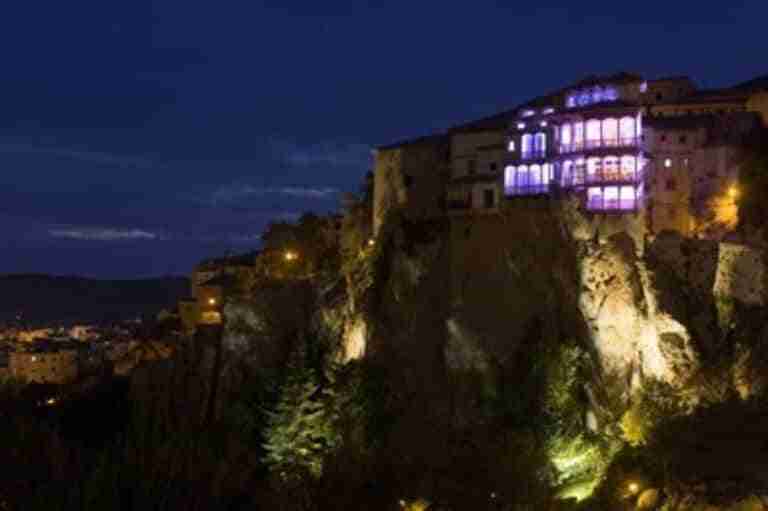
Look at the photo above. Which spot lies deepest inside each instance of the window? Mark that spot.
(627, 130)
(628, 198)
(471, 166)
(578, 135)
(671, 184)
(567, 177)
(509, 177)
(659, 96)
(683, 139)
(488, 198)
(628, 168)
(593, 133)
(565, 135)
(535, 176)
(521, 125)
(511, 146)
(527, 145)
(610, 132)
(492, 167)
(594, 170)
(540, 144)
(663, 138)
(548, 111)
(611, 168)
(527, 113)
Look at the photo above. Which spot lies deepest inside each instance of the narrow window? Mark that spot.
(471, 166)
(488, 198)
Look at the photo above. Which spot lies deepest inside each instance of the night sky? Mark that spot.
(138, 137)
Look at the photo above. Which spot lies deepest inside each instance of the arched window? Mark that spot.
(526, 146)
(627, 131)
(611, 168)
(509, 178)
(578, 136)
(540, 144)
(567, 178)
(535, 176)
(628, 168)
(593, 133)
(521, 181)
(565, 138)
(546, 176)
(610, 132)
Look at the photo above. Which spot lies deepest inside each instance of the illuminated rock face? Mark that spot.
(740, 274)
(632, 335)
(654, 316)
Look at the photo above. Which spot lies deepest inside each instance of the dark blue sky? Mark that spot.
(137, 137)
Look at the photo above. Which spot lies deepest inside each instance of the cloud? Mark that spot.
(333, 154)
(234, 193)
(102, 234)
(110, 159)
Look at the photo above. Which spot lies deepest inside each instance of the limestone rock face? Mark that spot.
(649, 499)
(740, 274)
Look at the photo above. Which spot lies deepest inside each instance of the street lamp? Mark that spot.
(212, 301)
(290, 256)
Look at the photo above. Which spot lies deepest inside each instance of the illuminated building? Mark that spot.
(608, 141)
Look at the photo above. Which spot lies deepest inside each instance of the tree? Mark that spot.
(301, 431)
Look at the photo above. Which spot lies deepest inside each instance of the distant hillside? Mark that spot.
(50, 299)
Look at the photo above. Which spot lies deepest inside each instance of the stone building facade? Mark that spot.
(411, 176)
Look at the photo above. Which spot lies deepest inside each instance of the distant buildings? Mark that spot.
(621, 144)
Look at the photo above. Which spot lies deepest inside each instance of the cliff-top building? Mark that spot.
(620, 143)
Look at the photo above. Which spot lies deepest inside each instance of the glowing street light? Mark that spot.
(290, 256)
(633, 488)
(212, 301)
(371, 242)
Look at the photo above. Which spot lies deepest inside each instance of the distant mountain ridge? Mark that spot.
(49, 299)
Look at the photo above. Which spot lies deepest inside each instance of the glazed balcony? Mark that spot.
(575, 147)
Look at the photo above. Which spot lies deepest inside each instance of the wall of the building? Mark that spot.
(411, 177)
(759, 103)
(663, 91)
(702, 169)
(50, 367)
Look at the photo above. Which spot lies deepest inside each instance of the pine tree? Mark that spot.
(302, 429)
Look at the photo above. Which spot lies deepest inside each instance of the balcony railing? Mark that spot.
(616, 205)
(514, 191)
(612, 177)
(574, 147)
